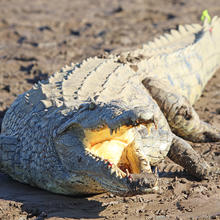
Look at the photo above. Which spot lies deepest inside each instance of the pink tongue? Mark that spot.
(110, 150)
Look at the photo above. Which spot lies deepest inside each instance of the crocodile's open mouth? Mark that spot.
(118, 149)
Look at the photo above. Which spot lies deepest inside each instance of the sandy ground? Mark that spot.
(39, 37)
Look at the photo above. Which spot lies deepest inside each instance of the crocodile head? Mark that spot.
(115, 146)
(114, 140)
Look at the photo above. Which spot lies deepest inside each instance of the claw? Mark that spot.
(155, 170)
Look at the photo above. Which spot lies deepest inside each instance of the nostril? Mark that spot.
(187, 116)
(144, 179)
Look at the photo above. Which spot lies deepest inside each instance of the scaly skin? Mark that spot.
(50, 133)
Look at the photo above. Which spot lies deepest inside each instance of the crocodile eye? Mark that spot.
(81, 106)
(92, 106)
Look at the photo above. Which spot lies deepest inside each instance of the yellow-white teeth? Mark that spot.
(120, 173)
(145, 165)
(127, 172)
(149, 128)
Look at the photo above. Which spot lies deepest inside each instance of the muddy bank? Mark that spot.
(37, 38)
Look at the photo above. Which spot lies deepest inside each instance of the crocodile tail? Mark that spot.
(209, 48)
(171, 42)
(214, 28)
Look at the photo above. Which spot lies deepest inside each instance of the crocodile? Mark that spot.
(105, 123)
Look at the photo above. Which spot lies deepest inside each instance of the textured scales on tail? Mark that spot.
(105, 123)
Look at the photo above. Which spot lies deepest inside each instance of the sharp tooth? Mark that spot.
(112, 171)
(156, 171)
(155, 122)
(155, 125)
(127, 172)
(149, 128)
(120, 176)
(120, 172)
(144, 165)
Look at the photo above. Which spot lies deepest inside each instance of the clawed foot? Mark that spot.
(183, 154)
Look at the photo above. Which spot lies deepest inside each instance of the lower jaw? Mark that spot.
(130, 185)
(126, 166)
(129, 188)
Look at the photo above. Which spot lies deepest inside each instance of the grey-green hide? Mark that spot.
(42, 132)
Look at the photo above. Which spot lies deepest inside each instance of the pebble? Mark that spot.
(218, 111)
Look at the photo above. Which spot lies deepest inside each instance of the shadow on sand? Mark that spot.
(36, 201)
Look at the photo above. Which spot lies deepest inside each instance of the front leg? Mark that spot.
(183, 154)
(181, 116)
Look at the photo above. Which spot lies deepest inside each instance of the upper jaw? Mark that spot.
(111, 115)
